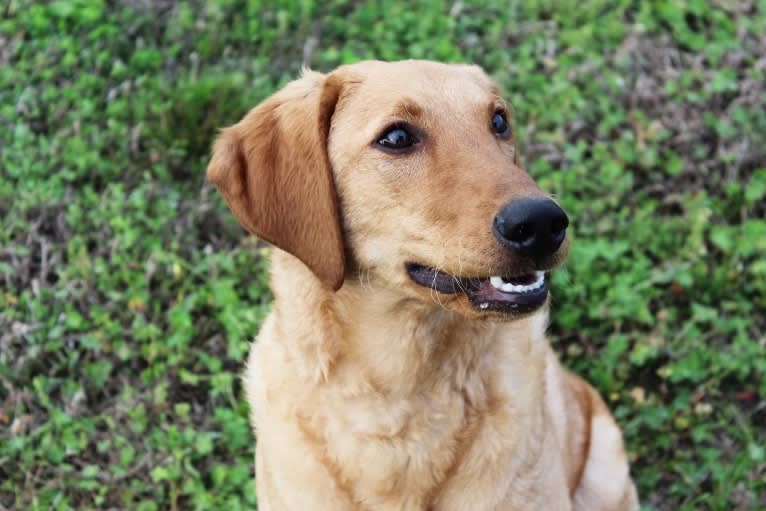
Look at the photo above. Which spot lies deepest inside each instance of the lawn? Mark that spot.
(129, 294)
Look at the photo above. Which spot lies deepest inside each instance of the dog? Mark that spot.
(404, 364)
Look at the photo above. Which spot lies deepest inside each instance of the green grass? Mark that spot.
(128, 293)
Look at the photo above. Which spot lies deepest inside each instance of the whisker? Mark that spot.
(435, 293)
(360, 276)
(460, 266)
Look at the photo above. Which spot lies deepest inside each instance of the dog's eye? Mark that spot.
(500, 125)
(397, 139)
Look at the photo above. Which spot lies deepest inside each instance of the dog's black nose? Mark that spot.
(531, 227)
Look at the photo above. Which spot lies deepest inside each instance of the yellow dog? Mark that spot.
(404, 365)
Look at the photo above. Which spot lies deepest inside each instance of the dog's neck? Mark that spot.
(399, 343)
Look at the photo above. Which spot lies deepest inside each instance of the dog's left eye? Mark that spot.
(397, 139)
(500, 125)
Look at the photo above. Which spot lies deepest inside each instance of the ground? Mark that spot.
(128, 293)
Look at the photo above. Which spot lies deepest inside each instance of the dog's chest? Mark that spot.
(401, 447)
(409, 454)
(474, 438)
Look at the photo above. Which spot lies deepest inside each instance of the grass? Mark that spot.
(128, 293)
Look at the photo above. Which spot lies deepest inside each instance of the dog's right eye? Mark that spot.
(397, 139)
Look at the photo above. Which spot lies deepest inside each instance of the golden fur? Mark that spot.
(369, 391)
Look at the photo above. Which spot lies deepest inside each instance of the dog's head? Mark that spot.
(403, 174)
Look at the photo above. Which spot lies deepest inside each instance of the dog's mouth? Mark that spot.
(505, 294)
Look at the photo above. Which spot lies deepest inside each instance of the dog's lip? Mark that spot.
(506, 294)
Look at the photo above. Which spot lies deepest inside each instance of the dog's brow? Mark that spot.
(499, 104)
(408, 109)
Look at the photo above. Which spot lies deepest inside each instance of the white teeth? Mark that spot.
(500, 284)
(497, 282)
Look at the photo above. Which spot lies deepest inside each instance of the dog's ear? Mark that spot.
(274, 172)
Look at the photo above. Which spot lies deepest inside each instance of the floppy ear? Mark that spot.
(273, 170)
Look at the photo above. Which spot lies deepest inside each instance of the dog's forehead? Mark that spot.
(422, 83)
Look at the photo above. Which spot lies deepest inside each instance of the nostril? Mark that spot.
(522, 233)
(557, 238)
(558, 225)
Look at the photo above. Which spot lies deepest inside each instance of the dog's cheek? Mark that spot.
(375, 253)
(377, 221)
